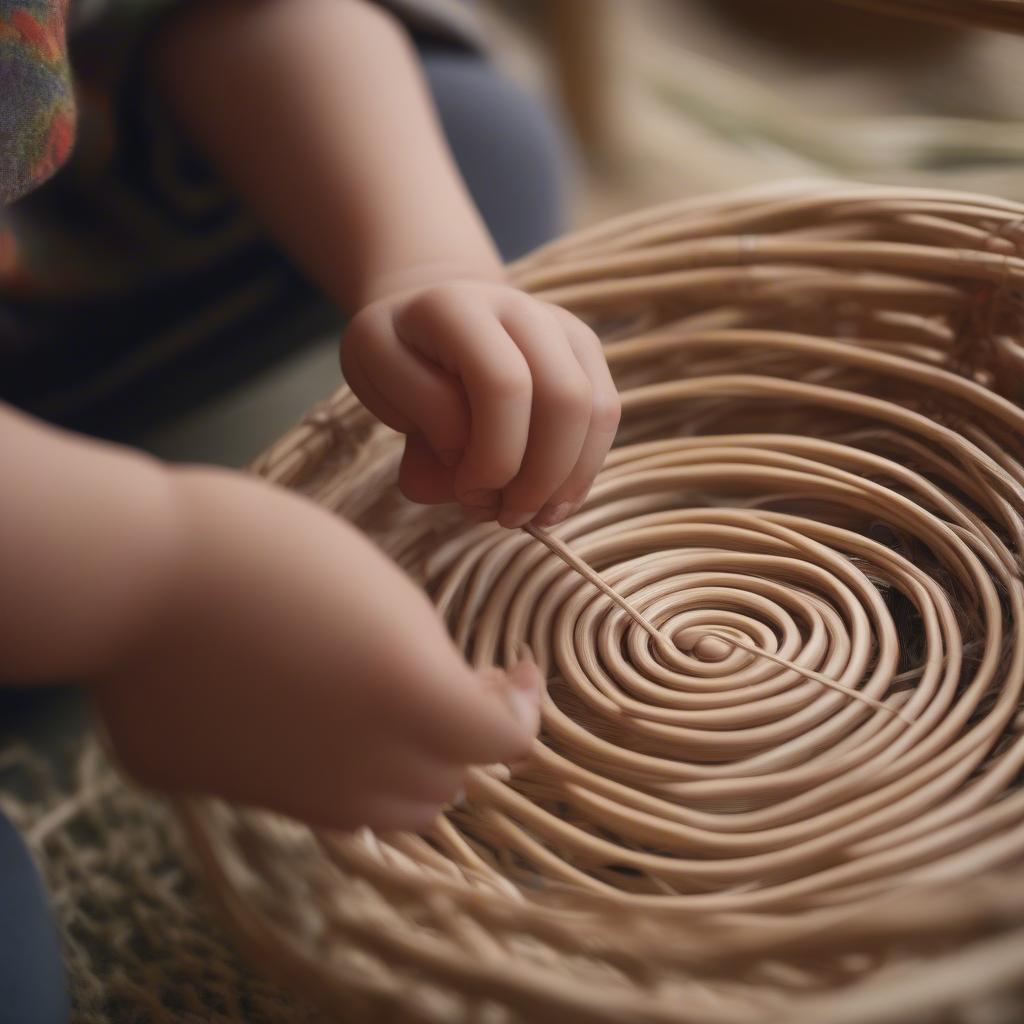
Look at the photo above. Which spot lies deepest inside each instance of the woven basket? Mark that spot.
(1005, 15)
(800, 800)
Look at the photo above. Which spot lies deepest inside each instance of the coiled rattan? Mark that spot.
(793, 791)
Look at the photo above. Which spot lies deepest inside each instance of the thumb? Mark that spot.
(519, 689)
(494, 715)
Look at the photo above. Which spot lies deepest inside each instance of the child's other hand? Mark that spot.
(506, 401)
(288, 664)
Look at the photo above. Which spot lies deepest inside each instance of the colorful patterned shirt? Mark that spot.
(36, 103)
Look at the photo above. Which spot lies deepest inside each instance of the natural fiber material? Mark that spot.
(1006, 15)
(141, 943)
(817, 488)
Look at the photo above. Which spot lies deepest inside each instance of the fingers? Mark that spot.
(416, 805)
(492, 717)
(507, 402)
(484, 717)
(401, 388)
(542, 402)
(605, 412)
(560, 413)
(457, 328)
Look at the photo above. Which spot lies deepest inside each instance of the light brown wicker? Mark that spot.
(800, 799)
(1005, 15)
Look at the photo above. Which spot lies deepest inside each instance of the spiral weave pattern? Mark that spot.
(785, 755)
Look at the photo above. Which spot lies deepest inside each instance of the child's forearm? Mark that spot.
(317, 112)
(87, 539)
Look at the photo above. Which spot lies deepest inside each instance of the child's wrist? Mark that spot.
(425, 275)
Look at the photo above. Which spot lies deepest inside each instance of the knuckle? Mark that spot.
(591, 335)
(572, 396)
(422, 311)
(560, 313)
(438, 301)
(530, 314)
(508, 383)
(581, 330)
(607, 412)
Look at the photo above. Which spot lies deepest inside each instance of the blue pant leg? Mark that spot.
(33, 985)
(508, 148)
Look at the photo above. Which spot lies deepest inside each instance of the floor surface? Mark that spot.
(234, 427)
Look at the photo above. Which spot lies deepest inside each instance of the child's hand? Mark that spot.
(290, 665)
(506, 401)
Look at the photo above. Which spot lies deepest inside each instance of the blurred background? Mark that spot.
(676, 97)
(662, 99)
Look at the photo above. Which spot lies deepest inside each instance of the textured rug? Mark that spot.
(141, 943)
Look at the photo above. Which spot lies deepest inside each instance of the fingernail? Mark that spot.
(513, 518)
(549, 515)
(459, 799)
(450, 458)
(480, 499)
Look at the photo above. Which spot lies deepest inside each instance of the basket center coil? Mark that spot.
(729, 778)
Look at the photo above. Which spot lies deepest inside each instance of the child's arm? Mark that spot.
(316, 110)
(231, 639)
(87, 547)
